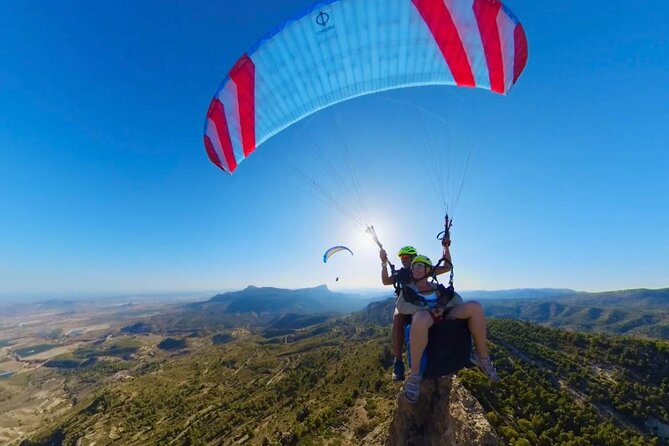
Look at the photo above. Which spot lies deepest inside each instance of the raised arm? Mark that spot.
(385, 275)
(446, 255)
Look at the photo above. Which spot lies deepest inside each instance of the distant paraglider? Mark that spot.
(335, 249)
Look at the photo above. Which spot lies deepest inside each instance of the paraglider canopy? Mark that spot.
(340, 49)
(334, 250)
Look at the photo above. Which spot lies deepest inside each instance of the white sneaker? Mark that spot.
(485, 364)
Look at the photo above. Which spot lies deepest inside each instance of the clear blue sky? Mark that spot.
(105, 186)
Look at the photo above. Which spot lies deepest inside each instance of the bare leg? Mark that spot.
(473, 312)
(421, 323)
(397, 335)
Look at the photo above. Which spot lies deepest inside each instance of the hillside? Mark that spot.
(196, 374)
(640, 312)
(251, 390)
(329, 384)
(559, 387)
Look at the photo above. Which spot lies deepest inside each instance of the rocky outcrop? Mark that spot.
(445, 414)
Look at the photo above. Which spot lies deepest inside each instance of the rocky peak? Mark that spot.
(445, 414)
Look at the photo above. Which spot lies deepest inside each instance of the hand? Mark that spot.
(383, 256)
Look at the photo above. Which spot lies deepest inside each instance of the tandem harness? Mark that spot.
(400, 278)
(444, 295)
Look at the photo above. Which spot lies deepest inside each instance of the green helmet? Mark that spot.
(422, 259)
(407, 251)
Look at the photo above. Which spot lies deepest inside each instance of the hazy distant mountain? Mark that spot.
(520, 293)
(629, 312)
(278, 300)
(276, 309)
(638, 298)
(634, 312)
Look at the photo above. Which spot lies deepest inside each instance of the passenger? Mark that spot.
(428, 301)
(399, 278)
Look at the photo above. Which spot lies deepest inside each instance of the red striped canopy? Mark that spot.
(340, 49)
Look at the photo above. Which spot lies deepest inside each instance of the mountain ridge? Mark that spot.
(640, 311)
(302, 300)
